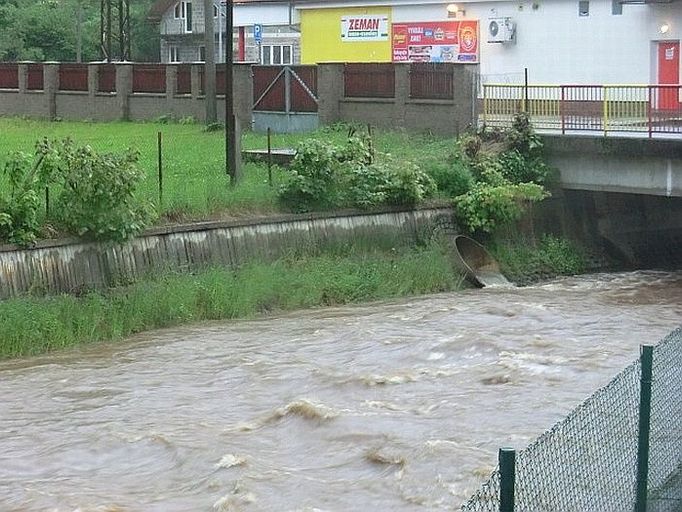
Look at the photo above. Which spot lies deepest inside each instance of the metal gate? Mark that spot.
(285, 98)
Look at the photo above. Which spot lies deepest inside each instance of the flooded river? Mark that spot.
(392, 406)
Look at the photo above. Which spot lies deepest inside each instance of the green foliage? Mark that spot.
(94, 194)
(525, 262)
(314, 177)
(19, 209)
(453, 178)
(325, 175)
(48, 30)
(97, 197)
(486, 207)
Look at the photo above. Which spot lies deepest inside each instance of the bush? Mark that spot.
(94, 193)
(97, 199)
(323, 175)
(486, 207)
(451, 178)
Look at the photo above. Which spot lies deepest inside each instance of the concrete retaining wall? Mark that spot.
(74, 266)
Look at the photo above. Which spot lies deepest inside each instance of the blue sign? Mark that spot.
(258, 33)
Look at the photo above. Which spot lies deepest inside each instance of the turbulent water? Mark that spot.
(393, 406)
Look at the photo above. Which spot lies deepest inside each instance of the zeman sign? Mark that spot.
(364, 28)
(436, 41)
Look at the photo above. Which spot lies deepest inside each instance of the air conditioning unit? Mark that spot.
(501, 30)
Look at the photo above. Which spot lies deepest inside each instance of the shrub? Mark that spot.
(486, 207)
(97, 199)
(19, 210)
(451, 178)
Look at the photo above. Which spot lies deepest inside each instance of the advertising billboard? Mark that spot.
(364, 28)
(436, 41)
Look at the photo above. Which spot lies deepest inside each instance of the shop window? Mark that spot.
(276, 54)
(584, 8)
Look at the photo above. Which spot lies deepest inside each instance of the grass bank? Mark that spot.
(33, 326)
(528, 261)
(195, 185)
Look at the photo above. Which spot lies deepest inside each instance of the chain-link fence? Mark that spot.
(591, 460)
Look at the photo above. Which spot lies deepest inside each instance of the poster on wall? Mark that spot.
(364, 28)
(436, 41)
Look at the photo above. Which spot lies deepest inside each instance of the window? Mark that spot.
(202, 54)
(215, 11)
(276, 54)
(616, 7)
(188, 16)
(173, 54)
(583, 8)
(183, 11)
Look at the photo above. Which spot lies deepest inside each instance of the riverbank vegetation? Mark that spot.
(35, 325)
(528, 261)
(490, 176)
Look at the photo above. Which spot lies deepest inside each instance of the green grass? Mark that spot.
(523, 262)
(33, 326)
(195, 183)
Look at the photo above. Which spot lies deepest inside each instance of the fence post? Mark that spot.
(160, 163)
(646, 359)
(525, 90)
(507, 460)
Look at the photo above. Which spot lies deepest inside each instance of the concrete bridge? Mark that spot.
(617, 164)
(622, 195)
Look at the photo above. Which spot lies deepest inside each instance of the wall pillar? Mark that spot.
(402, 93)
(464, 96)
(93, 79)
(22, 70)
(329, 92)
(124, 88)
(195, 80)
(171, 85)
(50, 87)
(242, 77)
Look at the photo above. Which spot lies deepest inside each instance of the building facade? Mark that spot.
(181, 28)
(557, 41)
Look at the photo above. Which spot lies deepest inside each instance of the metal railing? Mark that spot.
(650, 109)
(614, 452)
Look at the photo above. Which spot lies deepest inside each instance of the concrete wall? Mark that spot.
(636, 166)
(74, 266)
(51, 103)
(445, 117)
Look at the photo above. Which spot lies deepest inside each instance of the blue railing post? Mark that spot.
(646, 359)
(507, 460)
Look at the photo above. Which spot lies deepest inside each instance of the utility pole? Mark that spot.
(231, 156)
(209, 63)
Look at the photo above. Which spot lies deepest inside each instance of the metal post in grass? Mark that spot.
(646, 360)
(269, 157)
(47, 202)
(160, 156)
(507, 460)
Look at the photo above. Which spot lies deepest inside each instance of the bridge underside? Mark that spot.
(625, 165)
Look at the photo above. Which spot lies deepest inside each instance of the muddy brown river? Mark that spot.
(392, 406)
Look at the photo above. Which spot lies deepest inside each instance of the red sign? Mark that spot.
(436, 41)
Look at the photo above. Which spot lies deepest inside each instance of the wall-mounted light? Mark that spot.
(455, 11)
(664, 28)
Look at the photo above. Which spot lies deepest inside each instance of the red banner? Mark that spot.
(436, 41)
